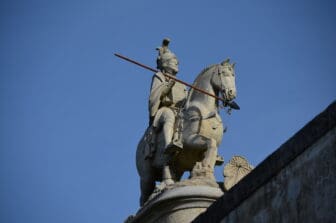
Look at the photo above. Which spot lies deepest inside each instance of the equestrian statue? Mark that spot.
(185, 128)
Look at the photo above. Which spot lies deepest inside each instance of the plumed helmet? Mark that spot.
(166, 60)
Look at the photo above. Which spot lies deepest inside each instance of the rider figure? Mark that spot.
(166, 97)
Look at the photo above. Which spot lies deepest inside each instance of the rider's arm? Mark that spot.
(166, 89)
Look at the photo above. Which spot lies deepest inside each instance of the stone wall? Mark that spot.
(297, 183)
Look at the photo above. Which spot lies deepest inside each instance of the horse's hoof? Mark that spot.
(163, 185)
(219, 160)
(168, 182)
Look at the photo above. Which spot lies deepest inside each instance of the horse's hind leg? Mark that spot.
(167, 175)
(147, 186)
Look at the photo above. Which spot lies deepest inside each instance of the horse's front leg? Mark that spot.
(209, 146)
(194, 141)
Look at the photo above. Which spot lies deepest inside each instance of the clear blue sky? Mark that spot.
(71, 114)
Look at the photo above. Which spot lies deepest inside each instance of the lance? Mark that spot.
(232, 104)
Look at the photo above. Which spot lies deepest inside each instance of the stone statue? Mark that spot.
(237, 168)
(166, 98)
(184, 131)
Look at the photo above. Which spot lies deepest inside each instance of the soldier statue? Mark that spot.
(185, 128)
(165, 100)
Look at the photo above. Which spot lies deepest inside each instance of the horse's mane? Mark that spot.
(203, 72)
(198, 77)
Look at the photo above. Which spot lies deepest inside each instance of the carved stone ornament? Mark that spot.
(237, 168)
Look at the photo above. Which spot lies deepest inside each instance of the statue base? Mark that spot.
(178, 204)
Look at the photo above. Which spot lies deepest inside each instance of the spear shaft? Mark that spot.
(169, 76)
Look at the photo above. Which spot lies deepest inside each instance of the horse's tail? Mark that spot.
(144, 150)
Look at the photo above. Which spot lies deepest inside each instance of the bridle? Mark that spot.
(226, 102)
(222, 86)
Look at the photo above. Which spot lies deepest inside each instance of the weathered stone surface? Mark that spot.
(180, 204)
(304, 191)
(295, 184)
(184, 132)
(237, 168)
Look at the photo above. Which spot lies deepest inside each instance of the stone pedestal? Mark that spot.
(180, 204)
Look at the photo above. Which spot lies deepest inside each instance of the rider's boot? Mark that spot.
(171, 146)
(175, 145)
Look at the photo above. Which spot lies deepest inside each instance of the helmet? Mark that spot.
(166, 60)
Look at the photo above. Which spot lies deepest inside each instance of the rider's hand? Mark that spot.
(171, 83)
(167, 88)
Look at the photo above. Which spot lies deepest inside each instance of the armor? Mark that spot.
(166, 95)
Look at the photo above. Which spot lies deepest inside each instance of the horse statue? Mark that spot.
(200, 129)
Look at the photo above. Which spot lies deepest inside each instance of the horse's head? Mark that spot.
(223, 80)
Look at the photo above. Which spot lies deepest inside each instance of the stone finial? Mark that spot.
(237, 168)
